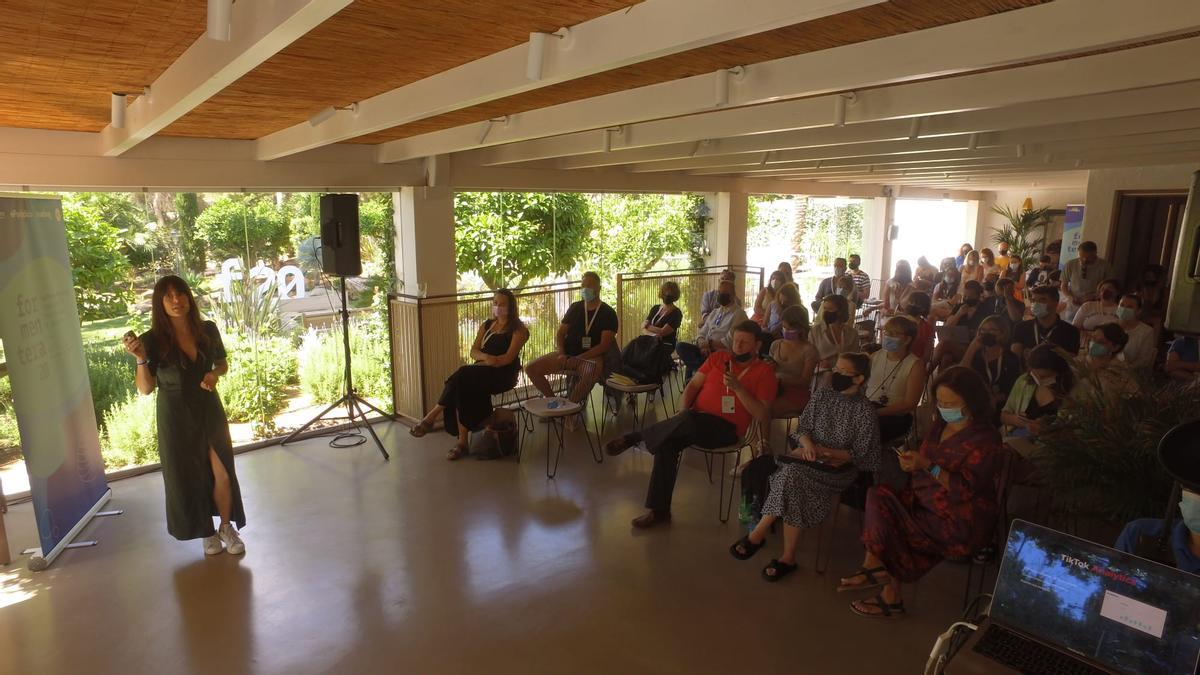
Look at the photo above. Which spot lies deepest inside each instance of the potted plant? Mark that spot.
(1021, 232)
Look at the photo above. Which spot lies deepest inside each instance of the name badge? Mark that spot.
(727, 405)
(587, 343)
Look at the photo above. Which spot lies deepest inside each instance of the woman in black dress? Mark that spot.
(466, 400)
(183, 357)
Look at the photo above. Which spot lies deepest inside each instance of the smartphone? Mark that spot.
(130, 334)
(729, 367)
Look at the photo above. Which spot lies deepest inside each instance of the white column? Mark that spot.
(729, 211)
(878, 218)
(424, 228)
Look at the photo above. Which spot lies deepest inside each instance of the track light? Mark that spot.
(608, 134)
(535, 55)
(327, 113)
(118, 111)
(914, 130)
(721, 84)
(220, 17)
(973, 142)
(839, 107)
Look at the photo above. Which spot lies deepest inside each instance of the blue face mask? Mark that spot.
(1040, 309)
(1125, 313)
(1096, 349)
(589, 294)
(951, 415)
(1189, 506)
(892, 343)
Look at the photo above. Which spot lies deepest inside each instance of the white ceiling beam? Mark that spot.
(641, 32)
(259, 31)
(1039, 32)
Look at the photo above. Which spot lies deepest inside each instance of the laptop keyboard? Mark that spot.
(1027, 656)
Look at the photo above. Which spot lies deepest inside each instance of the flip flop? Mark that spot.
(871, 583)
(887, 610)
(748, 546)
(781, 570)
(457, 452)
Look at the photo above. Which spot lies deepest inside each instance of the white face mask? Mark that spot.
(1048, 382)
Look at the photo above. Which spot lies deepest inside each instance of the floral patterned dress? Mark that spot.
(914, 529)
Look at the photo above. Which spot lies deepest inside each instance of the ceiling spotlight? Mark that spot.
(118, 111)
(220, 17)
(326, 114)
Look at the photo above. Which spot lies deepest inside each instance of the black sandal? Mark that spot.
(871, 583)
(748, 547)
(887, 610)
(421, 429)
(780, 569)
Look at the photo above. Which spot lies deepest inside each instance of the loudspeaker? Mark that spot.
(340, 255)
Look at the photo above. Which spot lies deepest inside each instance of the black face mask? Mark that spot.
(853, 265)
(723, 298)
(841, 381)
(742, 358)
(987, 339)
(989, 286)
(830, 318)
(970, 302)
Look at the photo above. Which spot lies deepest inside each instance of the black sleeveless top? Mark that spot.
(497, 344)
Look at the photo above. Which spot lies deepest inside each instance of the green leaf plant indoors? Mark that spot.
(1021, 233)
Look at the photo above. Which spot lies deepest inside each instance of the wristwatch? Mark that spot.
(934, 471)
(142, 362)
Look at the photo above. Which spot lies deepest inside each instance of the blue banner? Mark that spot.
(43, 345)
(1072, 234)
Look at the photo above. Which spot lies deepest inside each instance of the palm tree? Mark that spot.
(1020, 233)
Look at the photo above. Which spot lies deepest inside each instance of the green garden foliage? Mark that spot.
(322, 376)
(130, 435)
(256, 387)
(111, 373)
(234, 226)
(1025, 232)
(187, 206)
(633, 233)
(99, 265)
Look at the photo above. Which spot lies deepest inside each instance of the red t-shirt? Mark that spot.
(924, 338)
(758, 378)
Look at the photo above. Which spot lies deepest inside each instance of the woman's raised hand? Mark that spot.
(134, 346)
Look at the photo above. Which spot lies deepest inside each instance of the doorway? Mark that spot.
(1145, 232)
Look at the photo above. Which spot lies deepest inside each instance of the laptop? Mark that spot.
(1065, 605)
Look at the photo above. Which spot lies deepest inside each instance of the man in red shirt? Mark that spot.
(719, 402)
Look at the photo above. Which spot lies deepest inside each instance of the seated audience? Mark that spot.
(1103, 310)
(1154, 293)
(1045, 326)
(948, 509)
(466, 400)
(990, 356)
(717, 332)
(1007, 303)
(1104, 373)
(1038, 394)
(786, 268)
(1183, 464)
(918, 309)
(1141, 350)
(730, 389)
(788, 296)
(971, 270)
(1043, 274)
(926, 272)
(962, 255)
(897, 379)
(862, 280)
(587, 332)
(835, 440)
(1002, 258)
(845, 287)
(708, 301)
(762, 304)
(1081, 277)
(828, 283)
(795, 360)
(898, 288)
(1183, 359)
(969, 314)
(833, 332)
(664, 319)
(1016, 272)
(947, 288)
(987, 261)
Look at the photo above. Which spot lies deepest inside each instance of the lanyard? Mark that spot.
(890, 376)
(838, 337)
(587, 322)
(993, 379)
(662, 311)
(1037, 332)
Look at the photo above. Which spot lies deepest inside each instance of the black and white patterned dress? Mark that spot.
(802, 494)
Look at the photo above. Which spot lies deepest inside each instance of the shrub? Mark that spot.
(231, 224)
(111, 374)
(130, 433)
(259, 370)
(101, 270)
(321, 362)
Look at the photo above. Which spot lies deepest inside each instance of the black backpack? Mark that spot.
(645, 359)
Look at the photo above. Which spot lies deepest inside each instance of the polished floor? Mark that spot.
(356, 565)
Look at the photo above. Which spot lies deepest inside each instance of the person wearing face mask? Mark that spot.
(833, 333)
(989, 356)
(788, 296)
(584, 338)
(973, 310)
(708, 301)
(1037, 395)
(962, 255)
(1102, 310)
(466, 400)
(1042, 275)
(845, 287)
(1141, 350)
(862, 280)
(795, 360)
(1081, 277)
(835, 440)
(946, 510)
(663, 320)
(971, 269)
(948, 288)
(1007, 304)
(731, 389)
(926, 272)
(1002, 259)
(1183, 359)
(897, 379)
(1179, 454)
(716, 334)
(1016, 271)
(987, 261)
(1045, 326)
(917, 309)
(898, 288)
(766, 297)
(829, 283)
(1104, 374)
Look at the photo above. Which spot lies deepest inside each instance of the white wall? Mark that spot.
(1103, 185)
(1054, 199)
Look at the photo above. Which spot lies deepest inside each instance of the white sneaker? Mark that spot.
(212, 545)
(233, 542)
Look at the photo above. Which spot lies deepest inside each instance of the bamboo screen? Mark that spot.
(637, 293)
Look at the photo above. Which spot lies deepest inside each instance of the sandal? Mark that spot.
(457, 452)
(887, 610)
(776, 570)
(421, 429)
(871, 581)
(744, 549)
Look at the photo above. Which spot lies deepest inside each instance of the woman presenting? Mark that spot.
(183, 358)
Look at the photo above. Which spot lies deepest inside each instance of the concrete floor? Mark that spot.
(417, 565)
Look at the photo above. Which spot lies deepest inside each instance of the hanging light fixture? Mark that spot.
(118, 110)
(220, 18)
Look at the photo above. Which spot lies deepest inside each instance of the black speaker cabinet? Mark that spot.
(340, 255)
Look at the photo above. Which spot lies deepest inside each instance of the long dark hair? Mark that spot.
(514, 314)
(160, 323)
(904, 275)
(971, 388)
(1044, 357)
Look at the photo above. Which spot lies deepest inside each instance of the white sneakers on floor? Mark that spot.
(231, 539)
(226, 539)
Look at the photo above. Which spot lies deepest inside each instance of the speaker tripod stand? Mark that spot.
(356, 406)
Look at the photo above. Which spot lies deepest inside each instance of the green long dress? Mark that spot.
(190, 420)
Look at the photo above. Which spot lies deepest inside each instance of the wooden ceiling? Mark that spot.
(869, 23)
(61, 59)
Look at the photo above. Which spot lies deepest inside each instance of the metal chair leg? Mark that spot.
(556, 425)
(725, 506)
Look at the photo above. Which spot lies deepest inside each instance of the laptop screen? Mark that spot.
(1126, 613)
